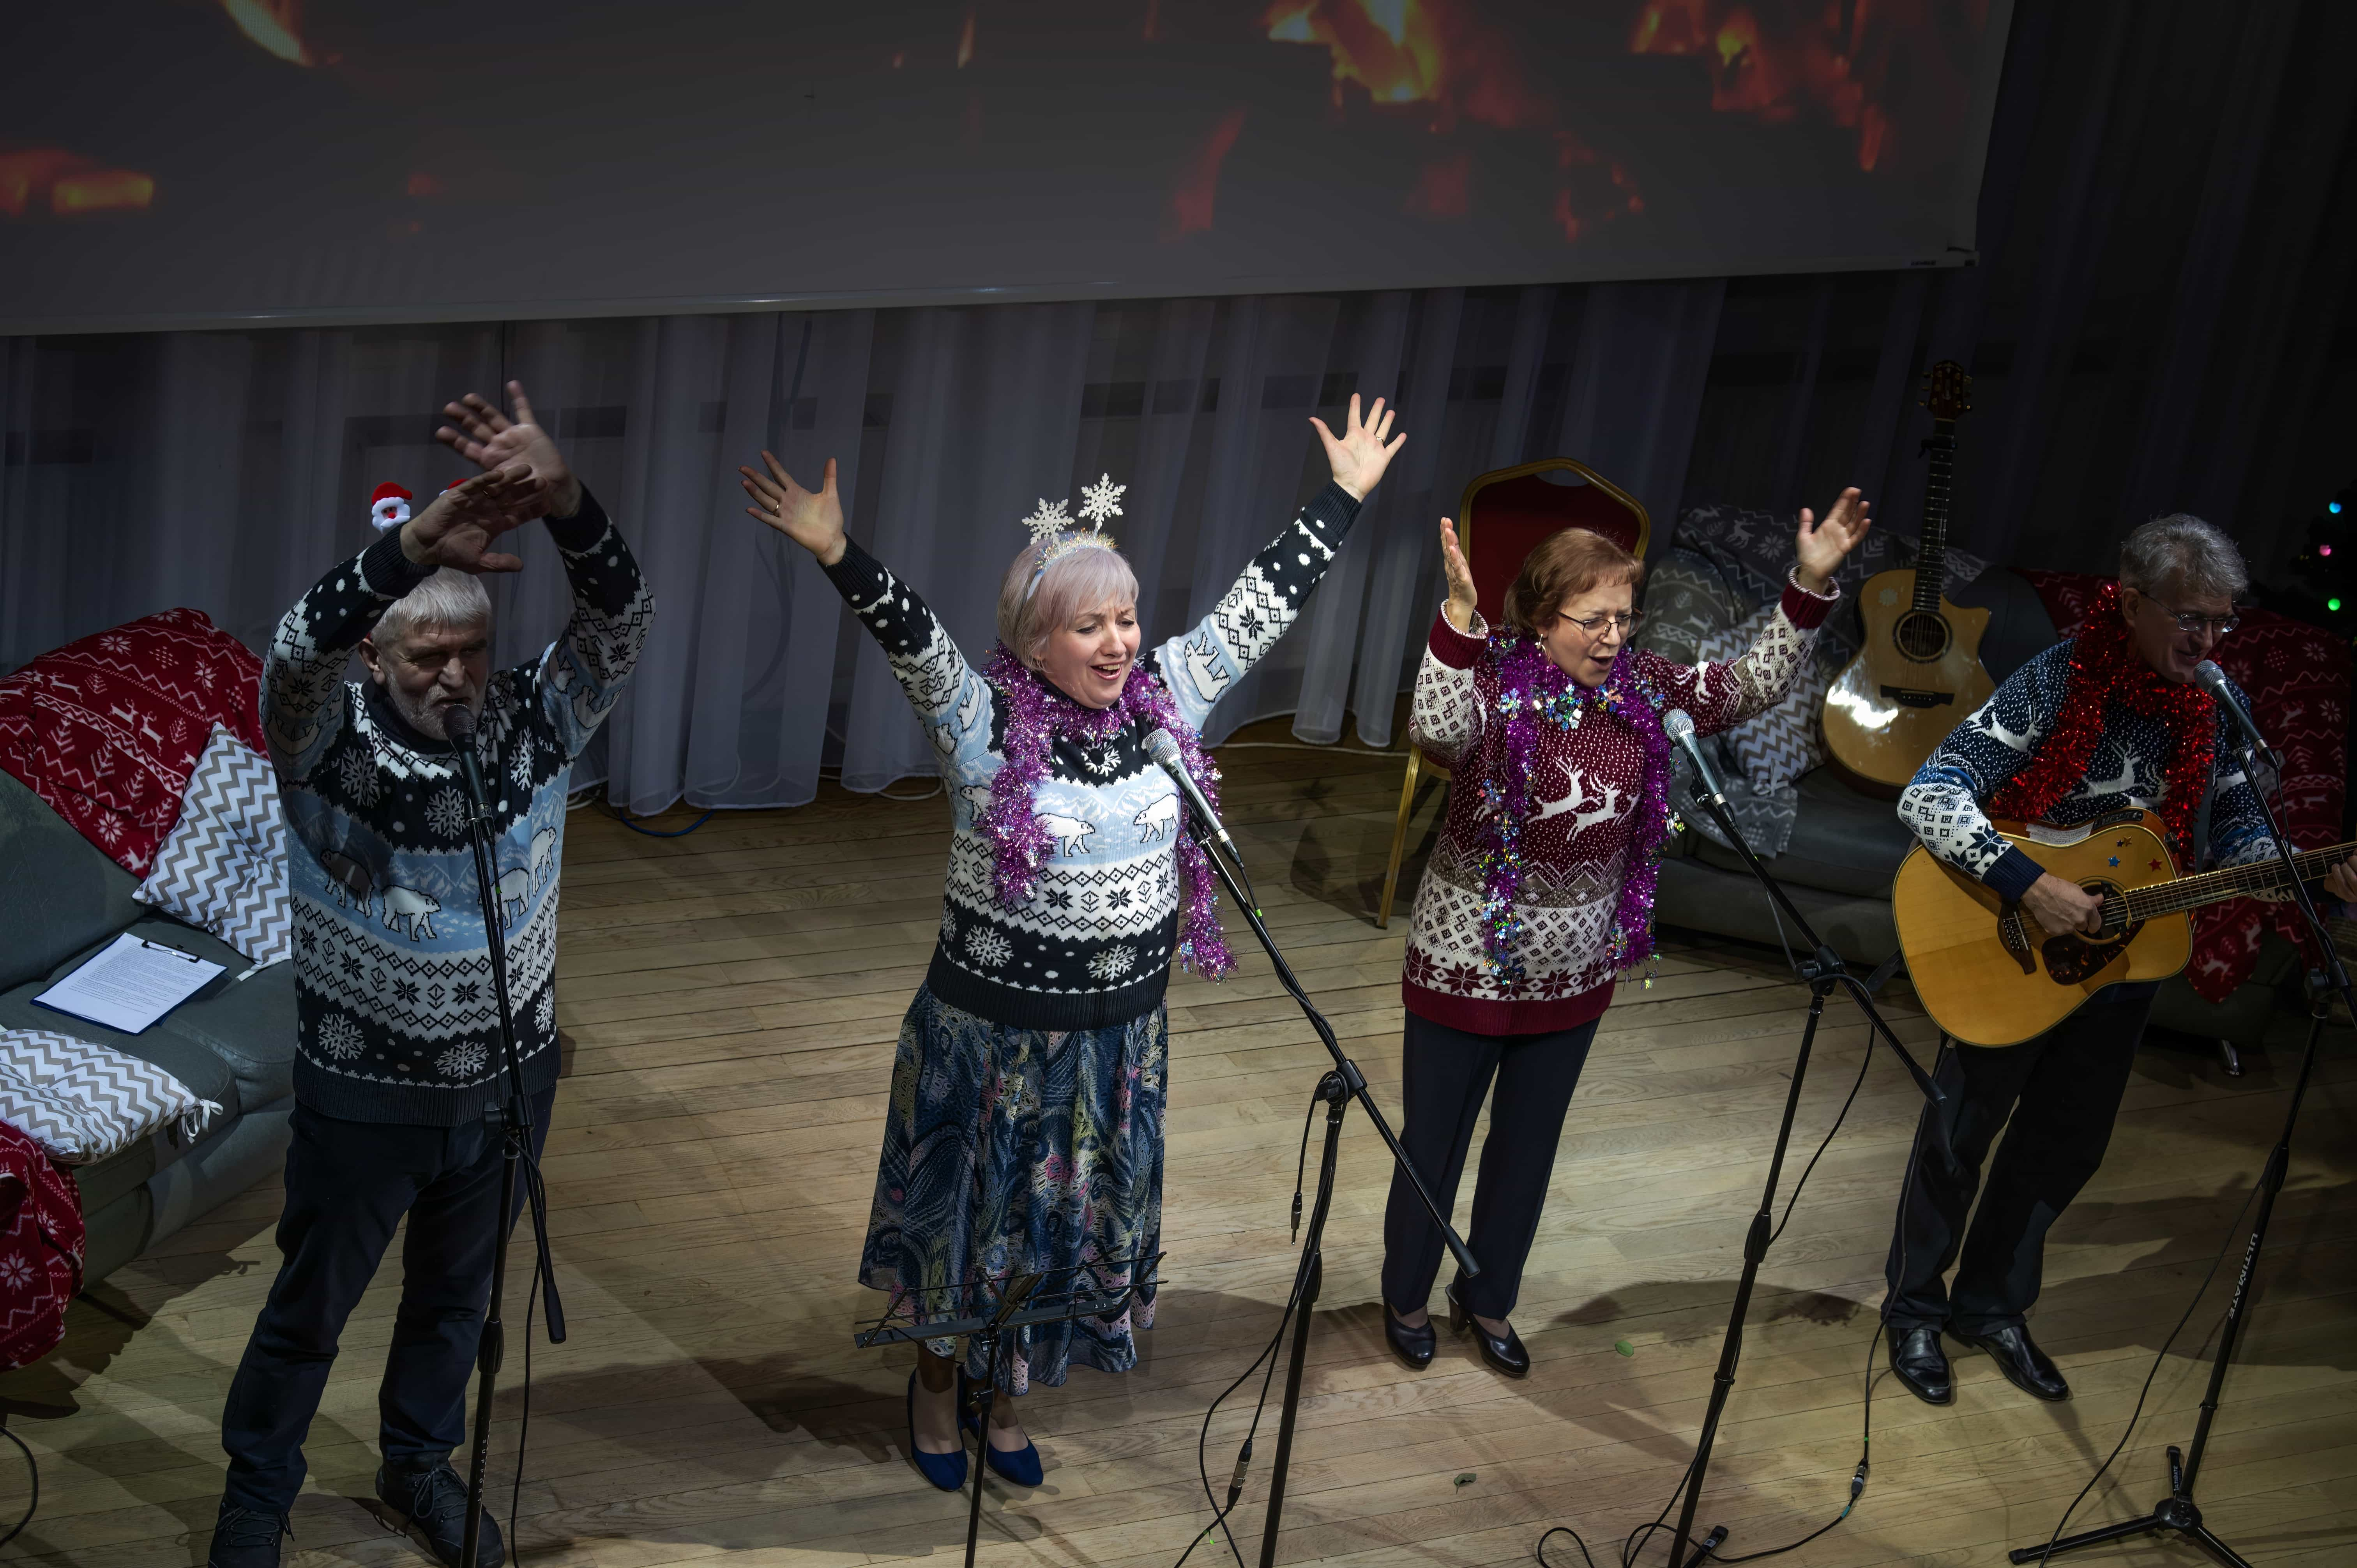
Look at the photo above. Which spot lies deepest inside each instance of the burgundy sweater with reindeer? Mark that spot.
(1584, 790)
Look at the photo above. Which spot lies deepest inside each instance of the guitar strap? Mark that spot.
(2201, 825)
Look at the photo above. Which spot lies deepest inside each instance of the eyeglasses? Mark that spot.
(2195, 621)
(1624, 623)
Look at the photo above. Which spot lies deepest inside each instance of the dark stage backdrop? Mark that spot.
(2166, 316)
(324, 161)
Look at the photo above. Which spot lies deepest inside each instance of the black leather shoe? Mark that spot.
(245, 1539)
(1414, 1346)
(1921, 1364)
(2025, 1366)
(435, 1501)
(1505, 1355)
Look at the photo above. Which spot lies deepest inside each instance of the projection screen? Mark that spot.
(181, 163)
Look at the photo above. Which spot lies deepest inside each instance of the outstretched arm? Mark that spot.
(951, 699)
(1445, 716)
(1202, 663)
(582, 673)
(304, 670)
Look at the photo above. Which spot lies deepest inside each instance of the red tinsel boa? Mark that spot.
(2104, 669)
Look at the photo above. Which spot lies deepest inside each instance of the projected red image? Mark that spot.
(65, 184)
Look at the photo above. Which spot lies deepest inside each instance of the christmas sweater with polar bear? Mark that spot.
(1092, 945)
(397, 1017)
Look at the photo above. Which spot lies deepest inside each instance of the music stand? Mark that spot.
(993, 1306)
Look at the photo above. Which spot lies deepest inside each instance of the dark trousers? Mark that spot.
(2062, 1092)
(1445, 1075)
(348, 1186)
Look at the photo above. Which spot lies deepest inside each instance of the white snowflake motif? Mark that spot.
(461, 1061)
(1112, 963)
(544, 1013)
(341, 1038)
(520, 768)
(16, 1272)
(356, 775)
(114, 643)
(1049, 518)
(949, 930)
(1102, 500)
(987, 946)
(446, 812)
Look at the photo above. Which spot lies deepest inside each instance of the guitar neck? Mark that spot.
(1932, 557)
(2234, 882)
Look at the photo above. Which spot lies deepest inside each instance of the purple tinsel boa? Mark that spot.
(1038, 716)
(1532, 692)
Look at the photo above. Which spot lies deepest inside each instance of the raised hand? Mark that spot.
(1822, 546)
(457, 528)
(1361, 454)
(489, 439)
(813, 522)
(1460, 607)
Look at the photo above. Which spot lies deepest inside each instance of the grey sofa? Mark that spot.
(234, 1043)
(1845, 847)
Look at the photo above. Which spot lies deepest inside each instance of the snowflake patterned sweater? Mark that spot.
(396, 1015)
(1093, 946)
(1585, 789)
(1944, 803)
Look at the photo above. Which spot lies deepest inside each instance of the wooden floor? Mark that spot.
(733, 997)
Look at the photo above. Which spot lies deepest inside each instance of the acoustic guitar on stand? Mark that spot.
(1990, 976)
(1917, 671)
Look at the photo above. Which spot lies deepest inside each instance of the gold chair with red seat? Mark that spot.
(1502, 517)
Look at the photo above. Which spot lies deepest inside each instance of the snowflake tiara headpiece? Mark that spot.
(1059, 533)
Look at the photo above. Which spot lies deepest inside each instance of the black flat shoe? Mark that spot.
(1920, 1364)
(1506, 1356)
(1414, 1346)
(2025, 1366)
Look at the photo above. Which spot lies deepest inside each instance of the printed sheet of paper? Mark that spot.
(130, 984)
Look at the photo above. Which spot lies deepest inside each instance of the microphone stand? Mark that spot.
(2177, 1511)
(1338, 1088)
(1825, 972)
(515, 1120)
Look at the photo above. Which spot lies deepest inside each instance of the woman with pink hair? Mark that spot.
(1024, 1133)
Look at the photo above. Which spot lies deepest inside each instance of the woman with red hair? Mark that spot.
(1541, 889)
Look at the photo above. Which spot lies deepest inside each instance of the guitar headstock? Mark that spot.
(1948, 390)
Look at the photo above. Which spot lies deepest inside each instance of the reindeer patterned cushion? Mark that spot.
(223, 869)
(85, 1103)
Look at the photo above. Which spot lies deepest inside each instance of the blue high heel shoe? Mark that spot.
(1021, 1466)
(946, 1471)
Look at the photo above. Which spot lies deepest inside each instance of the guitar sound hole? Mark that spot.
(1921, 635)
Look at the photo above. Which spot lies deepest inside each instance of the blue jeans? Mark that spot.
(348, 1186)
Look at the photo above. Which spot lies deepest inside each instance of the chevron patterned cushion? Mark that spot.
(224, 866)
(84, 1102)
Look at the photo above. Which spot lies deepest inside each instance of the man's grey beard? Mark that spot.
(424, 714)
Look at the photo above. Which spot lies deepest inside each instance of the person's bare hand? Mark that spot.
(815, 521)
(458, 527)
(1460, 609)
(2059, 907)
(2340, 881)
(1361, 454)
(489, 439)
(1822, 546)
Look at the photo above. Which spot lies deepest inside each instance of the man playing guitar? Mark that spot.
(2106, 720)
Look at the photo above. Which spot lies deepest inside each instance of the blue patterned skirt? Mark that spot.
(1029, 1150)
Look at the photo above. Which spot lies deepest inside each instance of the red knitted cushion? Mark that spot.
(40, 1250)
(106, 729)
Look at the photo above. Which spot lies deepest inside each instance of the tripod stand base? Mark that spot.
(2176, 1512)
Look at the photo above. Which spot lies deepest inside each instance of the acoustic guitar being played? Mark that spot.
(1917, 671)
(1990, 976)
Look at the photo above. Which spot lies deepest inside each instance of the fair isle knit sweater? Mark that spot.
(1585, 789)
(396, 1016)
(1093, 946)
(1944, 804)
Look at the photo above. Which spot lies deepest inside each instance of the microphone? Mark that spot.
(1163, 747)
(2213, 680)
(459, 722)
(1679, 728)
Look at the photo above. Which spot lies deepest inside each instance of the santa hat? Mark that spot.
(389, 506)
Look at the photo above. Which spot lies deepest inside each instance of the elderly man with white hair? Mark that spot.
(2106, 720)
(398, 1060)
